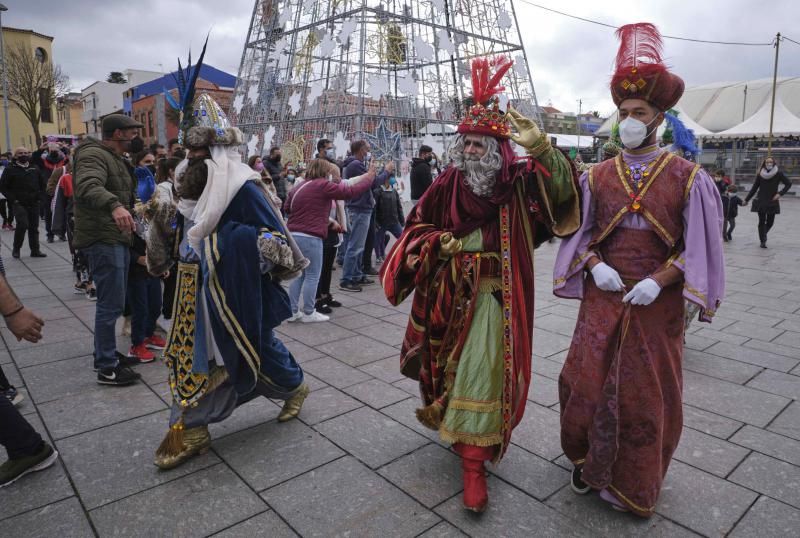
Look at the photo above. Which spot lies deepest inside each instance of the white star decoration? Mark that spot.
(238, 101)
(444, 42)
(284, 17)
(327, 45)
(377, 85)
(407, 84)
(269, 134)
(294, 102)
(348, 27)
(252, 92)
(424, 50)
(439, 4)
(251, 146)
(519, 65)
(385, 144)
(341, 144)
(313, 93)
(504, 19)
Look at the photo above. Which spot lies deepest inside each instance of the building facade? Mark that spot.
(70, 115)
(19, 125)
(103, 98)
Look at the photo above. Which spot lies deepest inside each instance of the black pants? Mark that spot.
(730, 224)
(4, 384)
(27, 221)
(16, 434)
(169, 293)
(6, 212)
(765, 221)
(324, 284)
(368, 244)
(48, 217)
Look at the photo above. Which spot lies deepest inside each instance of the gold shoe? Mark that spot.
(292, 406)
(196, 441)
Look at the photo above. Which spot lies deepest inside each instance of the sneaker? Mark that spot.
(371, 271)
(314, 317)
(332, 302)
(13, 470)
(49, 238)
(77, 289)
(297, 316)
(323, 309)
(141, 353)
(365, 280)
(91, 294)
(38, 254)
(763, 244)
(155, 342)
(119, 376)
(578, 486)
(349, 286)
(12, 395)
(15, 253)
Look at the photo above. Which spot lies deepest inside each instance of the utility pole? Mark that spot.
(774, 88)
(5, 78)
(578, 124)
(744, 104)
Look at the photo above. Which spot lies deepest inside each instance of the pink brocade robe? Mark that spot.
(621, 385)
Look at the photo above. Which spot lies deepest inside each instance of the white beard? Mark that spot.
(480, 178)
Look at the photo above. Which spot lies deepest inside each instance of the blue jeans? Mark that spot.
(109, 267)
(380, 237)
(311, 247)
(358, 224)
(144, 298)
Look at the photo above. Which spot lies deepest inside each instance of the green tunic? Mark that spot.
(474, 410)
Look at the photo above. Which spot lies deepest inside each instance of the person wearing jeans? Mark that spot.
(359, 214)
(308, 206)
(103, 202)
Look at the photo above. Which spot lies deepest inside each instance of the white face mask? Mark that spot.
(633, 132)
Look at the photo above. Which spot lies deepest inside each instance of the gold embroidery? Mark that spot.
(591, 179)
(691, 181)
(628, 501)
(476, 439)
(476, 406)
(664, 233)
(610, 227)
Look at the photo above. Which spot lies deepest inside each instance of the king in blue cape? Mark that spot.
(232, 250)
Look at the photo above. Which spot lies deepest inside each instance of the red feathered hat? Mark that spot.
(484, 117)
(640, 72)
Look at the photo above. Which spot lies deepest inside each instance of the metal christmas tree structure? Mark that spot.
(395, 72)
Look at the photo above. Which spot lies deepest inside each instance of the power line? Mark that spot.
(664, 36)
(790, 39)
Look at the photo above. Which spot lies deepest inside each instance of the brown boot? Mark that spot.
(292, 406)
(179, 446)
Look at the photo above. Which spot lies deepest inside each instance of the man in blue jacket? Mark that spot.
(359, 212)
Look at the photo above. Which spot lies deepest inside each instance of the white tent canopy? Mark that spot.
(785, 123)
(571, 140)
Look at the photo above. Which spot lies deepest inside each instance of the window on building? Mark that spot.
(150, 123)
(44, 103)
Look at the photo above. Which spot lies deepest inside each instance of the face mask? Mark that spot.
(768, 167)
(428, 159)
(23, 159)
(330, 154)
(633, 132)
(392, 181)
(433, 162)
(259, 166)
(137, 144)
(290, 178)
(152, 168)
(368, 157)
(277, 158)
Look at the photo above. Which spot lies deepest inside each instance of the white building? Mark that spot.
(102, 98)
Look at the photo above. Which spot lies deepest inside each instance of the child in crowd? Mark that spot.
(388, 210)
(144, 296)
(730, 208)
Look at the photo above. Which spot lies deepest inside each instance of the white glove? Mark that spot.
(607, 278)
(643, 293)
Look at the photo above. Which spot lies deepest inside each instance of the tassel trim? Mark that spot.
(173, 444)
(431, 415)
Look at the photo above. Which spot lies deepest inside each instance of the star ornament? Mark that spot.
(384, 142)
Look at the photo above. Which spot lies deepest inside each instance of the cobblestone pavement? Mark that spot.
(358, 464)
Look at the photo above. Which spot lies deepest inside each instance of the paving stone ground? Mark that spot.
(357, 463)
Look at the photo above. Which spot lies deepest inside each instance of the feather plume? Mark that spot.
(683, 138)
(185, 81)
(485, 85)
(640, 43)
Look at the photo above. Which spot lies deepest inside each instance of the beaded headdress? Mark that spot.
(484, 116)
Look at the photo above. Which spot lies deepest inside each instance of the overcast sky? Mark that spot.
(569, 59)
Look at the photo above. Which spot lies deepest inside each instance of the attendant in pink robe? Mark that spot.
(649, 239)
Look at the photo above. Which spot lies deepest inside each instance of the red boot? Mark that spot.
(476, 498)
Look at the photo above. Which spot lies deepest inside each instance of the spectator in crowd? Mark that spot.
(325, 150)
(767, 203)
(53, 166)
(325, 301)
(720, 182)
(165, 178)
(730, 209)
(359, 215)
(273, 164)
(22, 185)
(421, 177)
(175, 149)
(388, 210)
(256, 163)
(291, 176)
(145, 171)
(144, 295)
(159, 151)
(27, 451)
(104, 196)
(5, 207)
(308, 207)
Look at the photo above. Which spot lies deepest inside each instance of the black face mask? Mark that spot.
(23, 159)
(276, 158)
(152, 168)
(137, 145)
(428, 159)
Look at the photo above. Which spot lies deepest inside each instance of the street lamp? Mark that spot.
(5, 78)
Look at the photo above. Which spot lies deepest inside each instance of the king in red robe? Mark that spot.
(467, 255)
